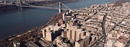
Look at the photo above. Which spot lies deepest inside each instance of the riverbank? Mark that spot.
(32, 34)
(5, 8)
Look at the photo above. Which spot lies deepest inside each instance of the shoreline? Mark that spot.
(34, 30)
(7, 8)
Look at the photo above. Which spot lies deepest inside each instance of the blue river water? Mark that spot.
(21, 21)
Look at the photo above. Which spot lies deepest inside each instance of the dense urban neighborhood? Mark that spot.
(105, 25)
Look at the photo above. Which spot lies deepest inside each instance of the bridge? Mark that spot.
(22, 4)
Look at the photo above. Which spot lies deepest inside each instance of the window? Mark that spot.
(84, 33)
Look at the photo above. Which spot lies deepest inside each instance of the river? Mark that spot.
(21, 21)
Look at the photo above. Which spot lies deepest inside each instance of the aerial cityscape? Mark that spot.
(65, 23)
